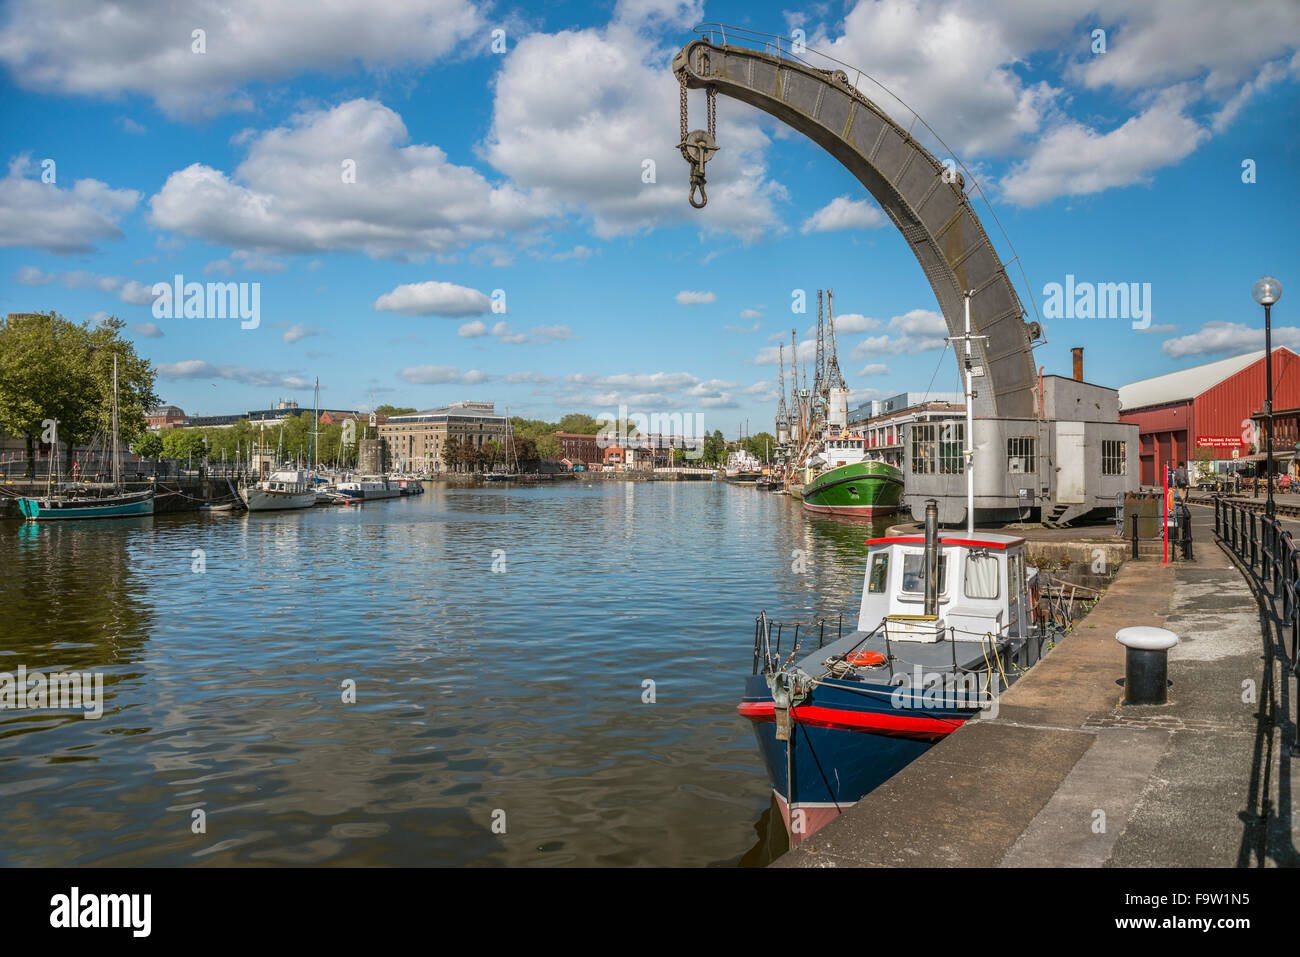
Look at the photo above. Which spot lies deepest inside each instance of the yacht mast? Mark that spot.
(117, 468)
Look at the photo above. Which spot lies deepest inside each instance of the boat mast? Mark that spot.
(117, 468)
(315, 425)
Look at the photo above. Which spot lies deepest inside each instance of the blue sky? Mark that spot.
(521, 171)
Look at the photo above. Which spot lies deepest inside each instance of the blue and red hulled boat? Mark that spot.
(946, 622)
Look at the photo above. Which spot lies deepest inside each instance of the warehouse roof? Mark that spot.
(1187, 383)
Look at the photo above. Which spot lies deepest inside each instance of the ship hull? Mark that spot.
(862, 489)
(845, 745)
(117, 506)
(260, 500)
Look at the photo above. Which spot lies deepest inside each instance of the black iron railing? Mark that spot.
(1272, 557)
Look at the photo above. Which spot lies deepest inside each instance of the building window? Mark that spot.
(1114, 460)
(923, 450)
(1020, 454)
(939, 447)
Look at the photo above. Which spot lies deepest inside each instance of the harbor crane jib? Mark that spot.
(927, 200)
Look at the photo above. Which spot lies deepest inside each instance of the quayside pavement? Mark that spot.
(1067, 776)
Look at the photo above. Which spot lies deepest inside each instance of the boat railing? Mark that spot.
(767, 644)
(1271, 558)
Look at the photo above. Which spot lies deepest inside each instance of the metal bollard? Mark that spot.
(1135, 535)
(1146, 663)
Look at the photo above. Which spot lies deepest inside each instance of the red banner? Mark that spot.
(1220, 442)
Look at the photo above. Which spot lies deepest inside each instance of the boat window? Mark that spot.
(981, 575)
(879, 577)
(914, 573)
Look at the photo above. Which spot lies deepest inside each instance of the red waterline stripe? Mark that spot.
(855, 720)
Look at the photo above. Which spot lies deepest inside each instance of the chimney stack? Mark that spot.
(1078, 363)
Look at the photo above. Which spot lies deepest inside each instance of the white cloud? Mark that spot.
(1229, 338)
(145, 47)
(751, 314)
(610, 90)
(917, 331)
(200, 369)
(472, 330)
(31, 276)
(955, 64)
(129, 291)
(875, 368)
(770, 355)
(148, 330)
(45, 216)
(434, 299)
(289, 195)
(742, 329)
(1074, 159)
(845, 213)
(688, 298)
(1164, 41)
(852, 322)
(299, 331)
(136, 293)
(441, 375)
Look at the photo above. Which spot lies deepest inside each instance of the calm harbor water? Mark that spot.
(518, 691)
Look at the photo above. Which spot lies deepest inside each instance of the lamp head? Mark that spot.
(1266, 291)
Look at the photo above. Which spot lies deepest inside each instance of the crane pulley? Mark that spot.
(698, 146)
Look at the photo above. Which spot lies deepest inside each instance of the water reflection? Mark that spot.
(513, 695)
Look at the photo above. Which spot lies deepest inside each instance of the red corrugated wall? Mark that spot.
(1168, 433)
(1220, 410)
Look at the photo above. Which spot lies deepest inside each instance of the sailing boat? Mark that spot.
(64, 504)
(510, 471)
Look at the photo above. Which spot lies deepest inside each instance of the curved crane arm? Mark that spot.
(928, 207)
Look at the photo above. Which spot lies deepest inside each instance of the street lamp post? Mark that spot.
(1267, 291)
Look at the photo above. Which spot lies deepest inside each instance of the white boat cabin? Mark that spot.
(294, 482)
(984, 587)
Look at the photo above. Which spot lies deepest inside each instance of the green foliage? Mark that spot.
(715, 449)
(394, 410)
(148, 445)
(578, 423)
(53, 368)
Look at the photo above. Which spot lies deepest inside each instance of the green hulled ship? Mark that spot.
(852, 484)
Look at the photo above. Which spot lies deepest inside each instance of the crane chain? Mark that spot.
(698, 146)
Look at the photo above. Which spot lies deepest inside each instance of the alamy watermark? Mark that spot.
(658, 430)
(213, 300)
(945, 690)
(60, 691)
(1104, 300)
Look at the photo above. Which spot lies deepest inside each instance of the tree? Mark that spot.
(492, 452)
(148, 445)
(548, 448)
(526, 454)
(578, 423)
(470, 457)
(451, 454)
(394, 410)
(715, 448)
(53, 368)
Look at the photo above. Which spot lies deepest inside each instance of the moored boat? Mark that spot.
(76, 501)
(945, 623)
(71, 505)
(368, 489)
(851, 483)
(285, 489)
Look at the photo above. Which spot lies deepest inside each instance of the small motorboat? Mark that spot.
(945, 624)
